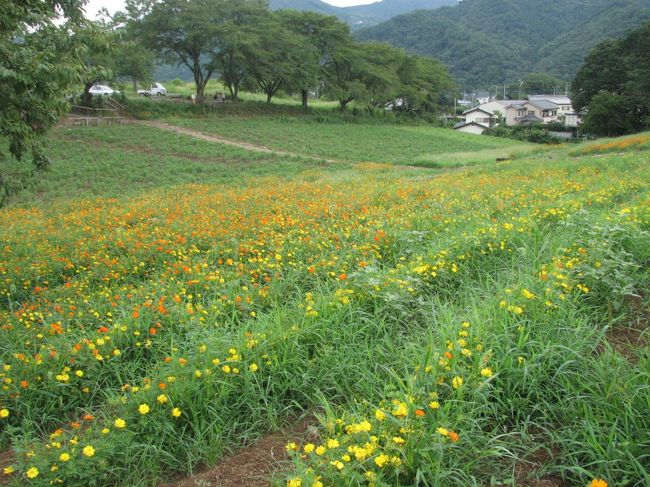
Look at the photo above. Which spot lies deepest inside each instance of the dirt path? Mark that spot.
(233, 143)
(254, 465)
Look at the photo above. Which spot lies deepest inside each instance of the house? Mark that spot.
(499, 107)
(470, 128)
(480, 116)
(562, 101)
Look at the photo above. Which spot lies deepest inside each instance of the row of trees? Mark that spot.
(247, 46)
(613, 85)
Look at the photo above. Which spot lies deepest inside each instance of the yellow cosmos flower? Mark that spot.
(486, 372)
(381, 460)
(176, 412)
(4, 413)
(379, 414)
(253, 367)
(309, 447)
(64, 457)
(143, 409)
(119, 423)
(457, 382)
(598, 483)
(434, 404)
(162, 399)
(88, 451)
(331, 443)
(8, 470)
(32, 473)
(321, 450)
(294, 483)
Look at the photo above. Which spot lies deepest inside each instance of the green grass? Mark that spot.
(126, 160)
(361, 142)
(245, 290)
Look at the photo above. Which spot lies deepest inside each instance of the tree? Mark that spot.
(280, 58)
(40, 62)
(609, 116)
(424, 85)
(321, 37)
(205, 35)
(613, 85)
(359, 72)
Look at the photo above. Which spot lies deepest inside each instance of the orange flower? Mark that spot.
(420, 413)
(343, 276)
(598, 483)
(453, 436)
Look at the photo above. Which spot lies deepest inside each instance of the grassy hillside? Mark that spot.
(395, 144)
(483, 326)
(494, 41)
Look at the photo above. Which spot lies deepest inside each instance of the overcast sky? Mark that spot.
(113, 5)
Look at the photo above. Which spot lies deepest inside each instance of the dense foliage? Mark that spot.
(39, 62)
(485, 42)
(613, 85)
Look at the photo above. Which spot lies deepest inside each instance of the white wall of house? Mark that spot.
(472, 129)
(480, 117)
(546, 115)
(511, 115)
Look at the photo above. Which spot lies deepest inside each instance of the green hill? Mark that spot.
(485, 42)
(361, 15)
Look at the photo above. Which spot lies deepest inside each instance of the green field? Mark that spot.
(387, 143)
(166, 301)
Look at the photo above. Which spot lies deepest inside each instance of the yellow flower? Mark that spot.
(198, 374)
(106, 431)
(291, 446)
(331, 443)
(8, 470)
(457, 382)
(88, 451)
(381, 460)
(321, 450)
(486, 372)
(379, 414)
(294, 483)
(398, 440)
(434, 404)
(32, 473)
(338, 464)
(253, 367)
(226, 369)
(64, 457)
(162, 399)
(401, 409)
(120, 423)
(442, 431)
(598, 483)
(79, 373)
(143, 409)
(309, 447)
(4, 413)
(176, 412)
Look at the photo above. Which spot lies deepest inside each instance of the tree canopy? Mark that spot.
(613, 85)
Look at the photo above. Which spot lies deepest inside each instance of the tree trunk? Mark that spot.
(135, 85)
(305, 97)
(269, 96)
(344, 105)
(235, 95)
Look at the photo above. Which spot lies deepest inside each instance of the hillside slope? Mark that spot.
(493, 41)
(362, 15)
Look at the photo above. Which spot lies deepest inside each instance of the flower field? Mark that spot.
(445, 328)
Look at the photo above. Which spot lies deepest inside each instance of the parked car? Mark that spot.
(102, 90)
(156, 89)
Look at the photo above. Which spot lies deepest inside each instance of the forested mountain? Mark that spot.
(485, 42)
(362, 15)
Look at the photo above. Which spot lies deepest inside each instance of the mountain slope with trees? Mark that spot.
(361, 15)
(485, 42)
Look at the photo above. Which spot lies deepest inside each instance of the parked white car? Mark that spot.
(102, 90)
(156, 89)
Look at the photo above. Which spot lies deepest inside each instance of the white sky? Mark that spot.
(93, 6)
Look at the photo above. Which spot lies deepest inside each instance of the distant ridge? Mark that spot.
(485, 42)
(362, 15)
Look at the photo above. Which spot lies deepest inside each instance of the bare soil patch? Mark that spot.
(628, 337)
(254, 465)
